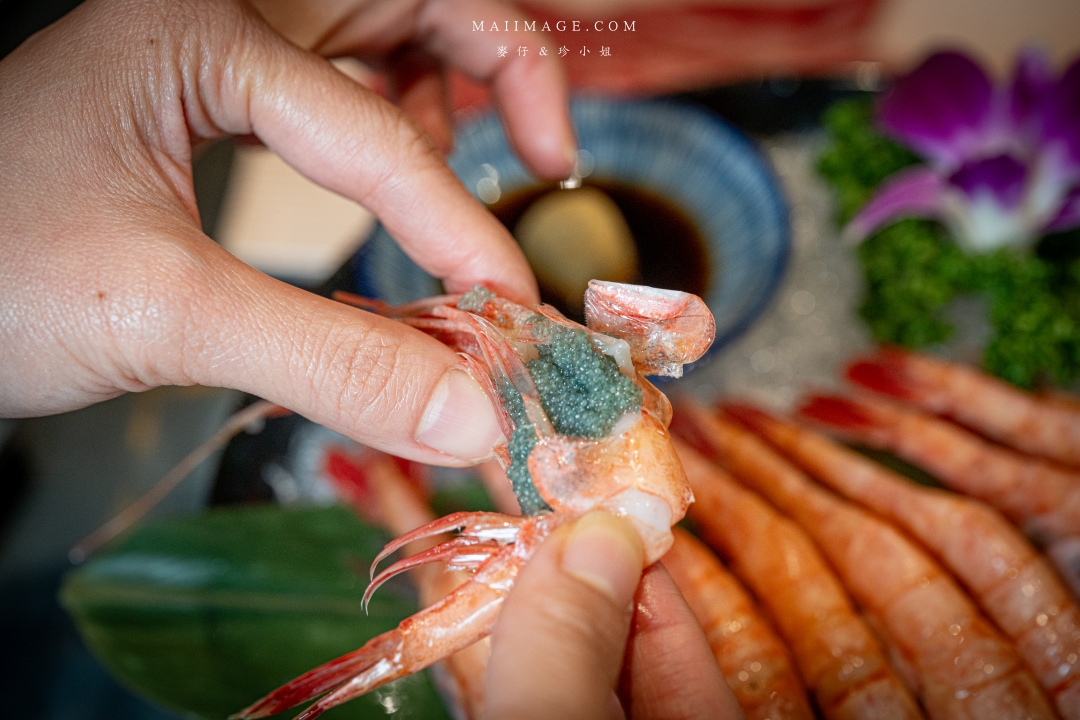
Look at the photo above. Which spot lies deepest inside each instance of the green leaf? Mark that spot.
(208, 613)
(858, 157)
(910, 270)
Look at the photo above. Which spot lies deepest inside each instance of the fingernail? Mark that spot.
(459, 419)
(606, 553)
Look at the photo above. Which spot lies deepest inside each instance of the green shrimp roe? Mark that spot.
(582, 392)
(474, 300)
(581, 389)
(521, 444)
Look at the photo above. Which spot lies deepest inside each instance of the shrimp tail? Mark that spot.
(323, 678)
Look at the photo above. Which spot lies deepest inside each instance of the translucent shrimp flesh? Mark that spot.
(1042, 498)
(964, 667)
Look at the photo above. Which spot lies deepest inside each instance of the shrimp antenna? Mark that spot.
(241, 420)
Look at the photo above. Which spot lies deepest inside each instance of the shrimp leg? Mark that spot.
(1013, 583)
(753, 659)
(992, 407)
(401, 510)
(460, 619)
(837, 654)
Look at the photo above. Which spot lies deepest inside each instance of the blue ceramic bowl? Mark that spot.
(685, 155)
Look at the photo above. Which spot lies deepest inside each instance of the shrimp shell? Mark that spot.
(629, 467)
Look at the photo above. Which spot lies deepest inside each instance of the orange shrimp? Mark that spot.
(613, 453)
(1043, 499)
(836, 653)
(753, 659)
(988, 405)
(1013, 583)
(375, 485)
(965, 668)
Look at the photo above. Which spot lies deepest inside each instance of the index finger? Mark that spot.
(529, 89)
(669, 671)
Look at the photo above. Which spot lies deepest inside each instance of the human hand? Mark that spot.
(414, 41)
(108, 283)
(558, 647)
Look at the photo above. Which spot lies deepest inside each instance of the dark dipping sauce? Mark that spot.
(671, 252)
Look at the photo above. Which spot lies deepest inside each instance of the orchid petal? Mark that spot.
(981, 225)
(914, 192)
(1069, 216)
(1061, 124)
(942, 110)
(1032, 86)
(1001, 178)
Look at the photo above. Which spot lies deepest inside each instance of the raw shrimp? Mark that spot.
(1043, 499)
(585, 431)
(753, 659)
(378, 489)
(837, 654)
(1013, 583)
(965, 668)
(990, 406)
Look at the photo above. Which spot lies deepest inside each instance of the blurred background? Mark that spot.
(769, 67)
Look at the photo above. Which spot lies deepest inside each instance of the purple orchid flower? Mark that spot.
(1003, 163)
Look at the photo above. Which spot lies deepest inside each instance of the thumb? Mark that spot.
(371, 378)
(558, 646)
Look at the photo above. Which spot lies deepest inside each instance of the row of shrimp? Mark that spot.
(887, 591)
(1016, 451)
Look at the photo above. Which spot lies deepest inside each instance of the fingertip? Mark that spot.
(543, 138)
(606, 553)
(533, 99)
(669, 669)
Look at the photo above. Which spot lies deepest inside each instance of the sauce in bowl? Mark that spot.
(671, 252)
